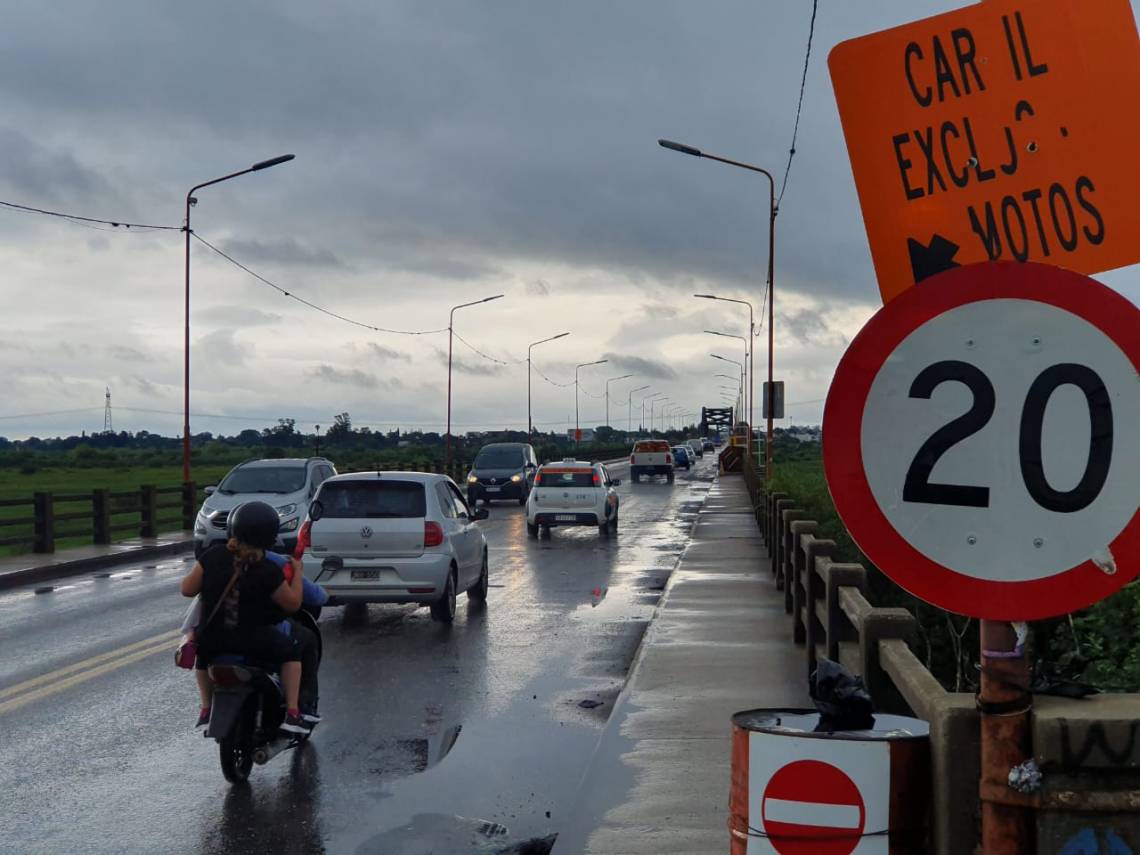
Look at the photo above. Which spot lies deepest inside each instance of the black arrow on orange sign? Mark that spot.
(925, 261)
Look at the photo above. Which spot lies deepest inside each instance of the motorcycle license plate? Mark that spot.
(494, 489)
(565, 518)
(366, 575)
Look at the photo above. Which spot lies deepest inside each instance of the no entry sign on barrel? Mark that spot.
(982, 440)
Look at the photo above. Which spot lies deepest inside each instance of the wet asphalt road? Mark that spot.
(436, 739)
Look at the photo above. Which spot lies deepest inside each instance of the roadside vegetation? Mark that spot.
(1099, 645)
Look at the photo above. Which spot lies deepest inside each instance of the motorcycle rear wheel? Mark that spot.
(236, 755)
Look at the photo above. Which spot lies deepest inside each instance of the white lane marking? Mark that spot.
(811, 813)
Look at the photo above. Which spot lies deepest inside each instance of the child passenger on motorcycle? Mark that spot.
(243, 598)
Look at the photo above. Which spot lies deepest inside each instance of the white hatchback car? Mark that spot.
(572, 492)
(395, 537)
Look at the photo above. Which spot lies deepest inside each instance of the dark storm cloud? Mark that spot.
(651, 369)
(472, 366)
(447, 137)
(383, 353)
(284, 251)
(343, 377)
(32, 170)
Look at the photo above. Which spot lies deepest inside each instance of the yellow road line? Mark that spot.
(79, 672)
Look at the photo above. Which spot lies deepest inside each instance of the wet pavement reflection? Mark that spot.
(469, 737)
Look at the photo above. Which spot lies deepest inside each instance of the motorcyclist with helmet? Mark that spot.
(244, 597)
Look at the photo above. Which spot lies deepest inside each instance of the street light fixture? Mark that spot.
(772, 211)
(608, 382)
(450, 343)
(739, 365)
(577, 427)
(190, 201)
(529, 423)
(629, 424)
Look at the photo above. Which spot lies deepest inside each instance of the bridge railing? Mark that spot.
(1088, 749)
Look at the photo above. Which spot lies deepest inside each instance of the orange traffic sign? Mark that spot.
(1004, 130)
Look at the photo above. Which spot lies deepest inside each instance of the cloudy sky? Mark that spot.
(445, 151)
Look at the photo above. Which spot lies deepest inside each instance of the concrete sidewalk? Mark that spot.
(659, 781)
(32, 567)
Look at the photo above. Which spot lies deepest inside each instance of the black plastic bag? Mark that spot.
(841, 698)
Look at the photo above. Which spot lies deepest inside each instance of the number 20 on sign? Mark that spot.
(982, 440)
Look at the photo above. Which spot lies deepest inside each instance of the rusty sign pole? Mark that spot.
(1004, 702)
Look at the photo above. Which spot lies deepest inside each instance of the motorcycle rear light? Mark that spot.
(433, 534)
(304, 540)
(226, 675)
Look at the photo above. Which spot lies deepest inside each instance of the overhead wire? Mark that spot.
(78, 219)
(285, 292)
(799, 106)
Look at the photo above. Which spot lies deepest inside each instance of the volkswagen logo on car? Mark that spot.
(366, 532)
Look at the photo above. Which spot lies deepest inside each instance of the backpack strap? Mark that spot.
(229, 587)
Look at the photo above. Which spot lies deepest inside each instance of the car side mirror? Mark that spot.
(213, 488)
(316, 511)
(480, 514)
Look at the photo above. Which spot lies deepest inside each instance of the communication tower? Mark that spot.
(107, 414)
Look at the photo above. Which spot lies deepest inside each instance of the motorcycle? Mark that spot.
(248, 708)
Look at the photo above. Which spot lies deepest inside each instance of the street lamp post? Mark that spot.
(318, 450)
(190, 201)
(652, 418)
(529, 423)
(648, 398)
(608, 382)
(772, 211)
(577, 427)
(746, 379)
(450, 342)
(750, 355)
(629, 424)
(739, 365)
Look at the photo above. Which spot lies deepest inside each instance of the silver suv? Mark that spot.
(288, 484)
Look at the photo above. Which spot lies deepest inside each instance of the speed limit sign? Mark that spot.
(982, 440)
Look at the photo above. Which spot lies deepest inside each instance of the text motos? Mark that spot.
(1001, 131)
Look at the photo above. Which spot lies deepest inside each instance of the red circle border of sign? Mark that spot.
(928, 580)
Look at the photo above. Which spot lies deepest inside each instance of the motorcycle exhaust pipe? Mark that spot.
(270, 750)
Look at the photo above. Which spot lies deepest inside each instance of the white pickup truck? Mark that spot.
(651, 457)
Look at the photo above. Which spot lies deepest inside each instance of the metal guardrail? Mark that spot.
(99, 515)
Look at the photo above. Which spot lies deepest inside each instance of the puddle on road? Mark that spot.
(433, 833)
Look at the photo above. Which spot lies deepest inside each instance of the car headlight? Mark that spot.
(516, 477)
(285, 510)
(471, 479)
(289, 526)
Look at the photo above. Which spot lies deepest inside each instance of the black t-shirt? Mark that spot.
(249, 603)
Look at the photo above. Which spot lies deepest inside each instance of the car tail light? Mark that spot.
(304, 539)
(668, 458)
(633, 458)
(433, 533)
(538, 479)
(597, 480)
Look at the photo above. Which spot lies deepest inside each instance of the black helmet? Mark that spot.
(254, 524)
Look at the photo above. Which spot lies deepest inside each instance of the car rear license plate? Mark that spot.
(565, 518)
(366, 575)
(494, 489)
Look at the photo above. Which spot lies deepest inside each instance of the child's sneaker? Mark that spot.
(293, 725)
